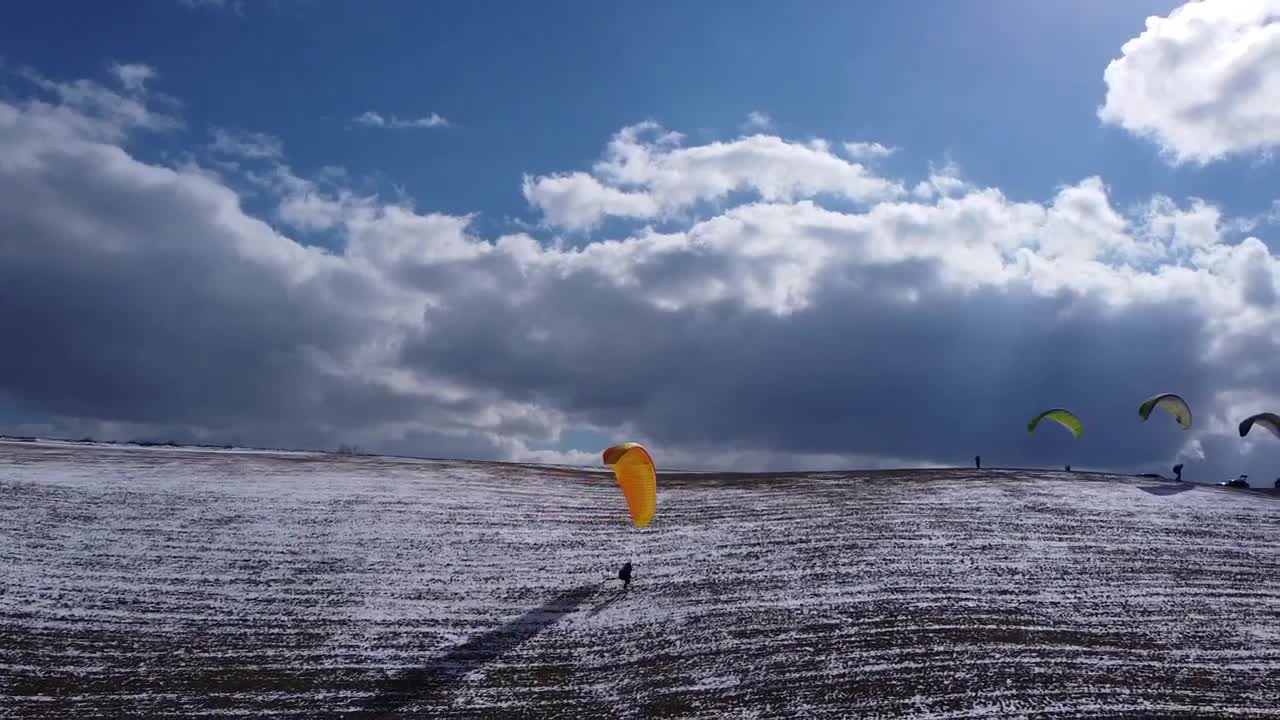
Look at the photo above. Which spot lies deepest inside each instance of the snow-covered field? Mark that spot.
(162, 583)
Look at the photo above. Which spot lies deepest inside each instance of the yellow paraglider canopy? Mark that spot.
(1173, 404)
(634, 471)
(1065, 418)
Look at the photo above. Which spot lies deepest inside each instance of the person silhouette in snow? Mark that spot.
(977, 461)
(625, 575)
(1177, 472)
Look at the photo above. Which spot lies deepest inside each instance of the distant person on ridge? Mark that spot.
(1177, 472)
(1067, 468)
(1278, 483)
(977, 461)
(625, 575)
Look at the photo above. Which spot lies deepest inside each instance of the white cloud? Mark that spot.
(646, 173)
(311, 211)
(1248, 223)
(86, 103)
(1082, 225)
(578, 201)
(133, 76)
(757, 121)
(235, 6)
(251, 145)
(377, 120)
(945, 181)
(1203, 82)
(868, 151)
(771, 331)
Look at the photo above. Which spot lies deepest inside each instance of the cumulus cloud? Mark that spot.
(1203, 82)
(578, 201)
(647, 173)
(378, 120)
(944, 181)
(772, 330)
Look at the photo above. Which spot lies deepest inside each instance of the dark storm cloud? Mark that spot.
(122, 301)
(141, 296)
(862, 372)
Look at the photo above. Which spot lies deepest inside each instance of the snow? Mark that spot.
(160, 582)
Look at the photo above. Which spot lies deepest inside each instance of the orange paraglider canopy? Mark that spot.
(633, 468)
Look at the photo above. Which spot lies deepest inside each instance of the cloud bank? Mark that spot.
(1203, 83)
(767, 303)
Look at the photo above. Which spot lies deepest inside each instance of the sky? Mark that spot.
(752, 236)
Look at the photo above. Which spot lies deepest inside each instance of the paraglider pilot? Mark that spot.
(1177, 472)
(977, 461)
(625, 575)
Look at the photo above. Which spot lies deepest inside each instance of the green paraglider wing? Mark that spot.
(1173, 404)
(1065, 418)
(1270, 421)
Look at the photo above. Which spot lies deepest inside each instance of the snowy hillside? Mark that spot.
(160, 583)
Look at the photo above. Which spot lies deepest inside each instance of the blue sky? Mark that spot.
(1007, 90)
(786, 201)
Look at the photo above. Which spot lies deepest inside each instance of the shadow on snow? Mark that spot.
(603, 604)
(432, 681)
(1167, 489)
